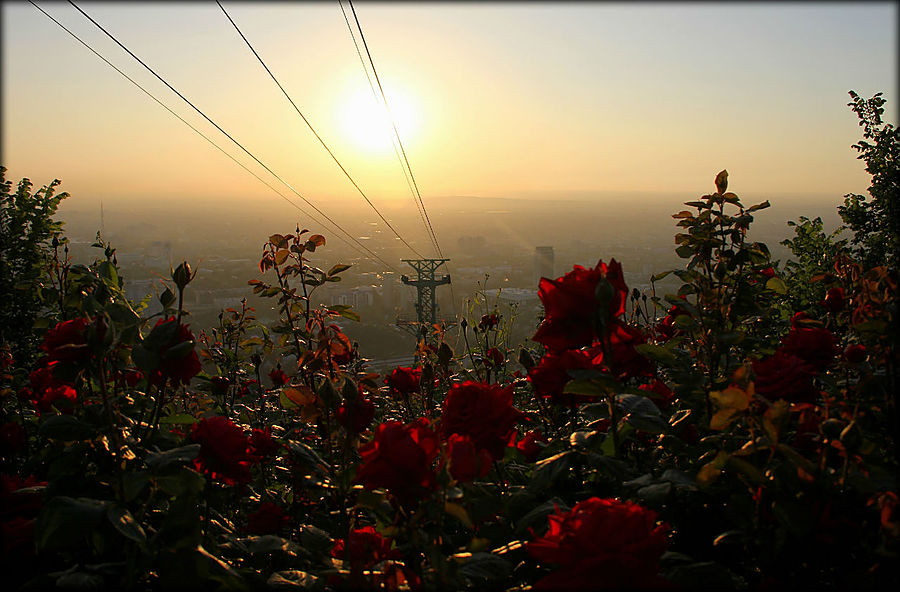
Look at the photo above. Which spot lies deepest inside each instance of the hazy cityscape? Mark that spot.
(491, 265)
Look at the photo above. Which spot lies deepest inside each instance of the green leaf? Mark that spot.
(125, 524)
(480, 568)
(109, 275)
(183, 481)
(291, 579)
(269, 543)
(537, 517)
(134, 483)
(339, 268)
(66, 428)
(167, 298)
(178, 419)
(67, 521)
(657, 353)
(685, 251)
(158, 461)
(777, 285)
(145, 359)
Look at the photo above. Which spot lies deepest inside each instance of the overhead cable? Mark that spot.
(394, 124)
(412, 191)
(180, 118)
(400, 142)
(315, 133)
(229, 136)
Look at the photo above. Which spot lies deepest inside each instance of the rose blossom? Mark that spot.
(571, 305)
(529, 444)
(834, 300)
(405, 380)
(268, 518)
(466, 462)
(601, 544)
(366, 548)
(177, 367)
(814, 345)
(278, 377)
(785, 376)
(624, 361)
(550, 375)
(224, 450)
(357, 416)
(67, 342)
(47, 391)
(262, 444)
(482, 411)
(399, 458)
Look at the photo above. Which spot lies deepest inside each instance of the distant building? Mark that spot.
(543, 263)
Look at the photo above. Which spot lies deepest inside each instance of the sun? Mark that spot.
(365, 121)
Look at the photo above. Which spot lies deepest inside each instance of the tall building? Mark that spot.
(543, 264)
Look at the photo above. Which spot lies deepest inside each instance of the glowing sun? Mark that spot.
(366, 123)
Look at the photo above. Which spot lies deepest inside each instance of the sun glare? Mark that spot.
(366, 124)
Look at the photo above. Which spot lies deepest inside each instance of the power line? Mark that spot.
(315, 133)
(393, 124)
(362, 36)
(409, 184)
(185, 122)
(218, 127)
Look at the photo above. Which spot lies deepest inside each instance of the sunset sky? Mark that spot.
(494, 99)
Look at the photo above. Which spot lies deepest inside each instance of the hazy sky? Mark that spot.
(492, 99)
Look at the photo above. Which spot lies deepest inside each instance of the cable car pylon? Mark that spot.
(426, 303)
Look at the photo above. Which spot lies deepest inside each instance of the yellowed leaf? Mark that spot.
(711, 470)
(301, 394)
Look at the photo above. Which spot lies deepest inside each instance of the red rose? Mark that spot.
(855, 353)
(488, 321)
(399, 458)
(67, 342)
(834, 300)
(269, 518)
(624, 361)
(550, 375)
(493, 358)
(339, 346)
(246, 391)
(12, 437)
(279, 378)
(130, 376)
(482, 411)
(357, 416)
(785, 376)
(571, 305)
(601, 544)
(17, 536)
(815, 345)
(665, 329)
(262, 444)
(224, 450)
(466, 462)
(20, 497)
(405, 380)
(767, 273)
(529, 445)
(366, 548)
(178, 359)
(48, 392)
